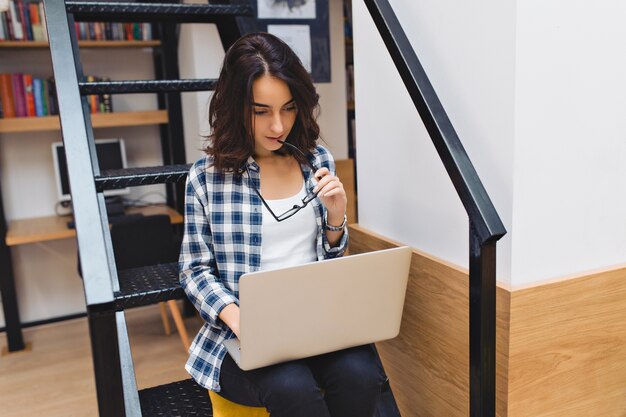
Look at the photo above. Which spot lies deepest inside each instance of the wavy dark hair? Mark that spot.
(231, 141)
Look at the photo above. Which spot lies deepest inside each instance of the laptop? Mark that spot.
(320, 307)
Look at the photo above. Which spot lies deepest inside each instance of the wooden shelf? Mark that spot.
(115, 119)
(82, 44)
(41, 229)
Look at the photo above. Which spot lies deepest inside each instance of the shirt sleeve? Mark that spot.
(199, 276)
(326, 160)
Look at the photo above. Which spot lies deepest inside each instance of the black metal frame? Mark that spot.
(15, 339)
(114, 372)
(486, 228)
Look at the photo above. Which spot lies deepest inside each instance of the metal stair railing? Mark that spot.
(486, 228)
(106, 298)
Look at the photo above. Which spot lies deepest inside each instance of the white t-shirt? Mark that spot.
(291, 241)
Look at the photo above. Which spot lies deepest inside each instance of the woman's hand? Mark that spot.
(332, 195)
(230, 316)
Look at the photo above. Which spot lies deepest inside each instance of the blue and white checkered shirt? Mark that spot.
(222, 241)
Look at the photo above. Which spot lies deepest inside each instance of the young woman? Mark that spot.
(266, 196)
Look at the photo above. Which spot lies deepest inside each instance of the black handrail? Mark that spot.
(486, 228)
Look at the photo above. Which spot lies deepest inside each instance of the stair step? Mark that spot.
(146, 12)
(148, 285)
(145, 86)
(133, 177)
(180, 399)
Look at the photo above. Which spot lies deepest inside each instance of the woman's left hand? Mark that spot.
(331, 193)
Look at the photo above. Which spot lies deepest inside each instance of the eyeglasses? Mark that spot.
(297, 207)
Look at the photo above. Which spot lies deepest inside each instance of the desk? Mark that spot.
(41, 229)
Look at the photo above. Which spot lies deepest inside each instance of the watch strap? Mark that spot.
(335, 228)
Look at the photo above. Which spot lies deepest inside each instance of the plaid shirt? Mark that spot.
(222, 241)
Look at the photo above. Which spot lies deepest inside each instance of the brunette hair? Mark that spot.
(231, 141)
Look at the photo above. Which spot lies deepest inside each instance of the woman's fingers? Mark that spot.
(323, 181)
(331, 188)
(320, 173)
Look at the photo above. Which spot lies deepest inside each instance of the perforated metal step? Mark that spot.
(148, 285)
(145, 86)
(155, 12)
(178, 399)
(134, 177)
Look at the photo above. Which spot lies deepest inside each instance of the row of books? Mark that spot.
(22, 95)
(98, 31)
(24, 21)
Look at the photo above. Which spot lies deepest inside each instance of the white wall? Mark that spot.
(404, 191)
(570, 148)
(536, 92)
(201, 57)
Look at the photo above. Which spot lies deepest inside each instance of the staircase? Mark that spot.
(109, 292)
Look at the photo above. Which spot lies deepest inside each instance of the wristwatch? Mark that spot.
(335, 228)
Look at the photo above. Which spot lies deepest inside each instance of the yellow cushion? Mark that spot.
(225, 408)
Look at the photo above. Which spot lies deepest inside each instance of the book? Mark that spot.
(6, 94)
(21, 15)
(37, 86)
(3, 31)
(45, 97)
(29, 96)
(137, 31)
(19, 100)
(42, 19)
(53, 105)
(16, 24)
(92, 99)
(106, 100)
(9, 24)
(24, 12)
(35, 21)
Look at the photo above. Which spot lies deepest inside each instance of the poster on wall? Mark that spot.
(298, 37)
(290, 20)
(286, 9)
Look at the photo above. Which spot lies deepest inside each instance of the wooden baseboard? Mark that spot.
(560, 347)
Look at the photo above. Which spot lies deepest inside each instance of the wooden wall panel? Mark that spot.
(561, 347)
(568, 348)
(428, 363)
(345, 172)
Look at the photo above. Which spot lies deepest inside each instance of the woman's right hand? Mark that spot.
(230, 316)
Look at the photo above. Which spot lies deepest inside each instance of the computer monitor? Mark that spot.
(111, 155)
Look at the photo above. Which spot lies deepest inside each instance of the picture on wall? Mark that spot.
(298, 37)
(286, 9)
(302, 24)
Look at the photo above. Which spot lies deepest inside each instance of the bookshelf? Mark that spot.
(98, 120)
(25, 235)
(82, 44)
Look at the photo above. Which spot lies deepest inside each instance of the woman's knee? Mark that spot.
(289, 383)
(359, 368)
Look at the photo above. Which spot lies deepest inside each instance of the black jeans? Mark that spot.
(351, 381)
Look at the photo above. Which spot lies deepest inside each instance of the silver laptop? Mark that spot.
(320, 307)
